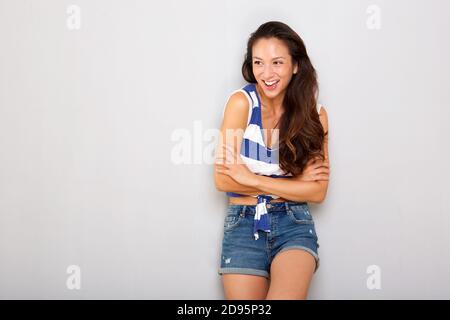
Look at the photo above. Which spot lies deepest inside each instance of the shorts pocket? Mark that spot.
(232, 219)
(300, 214)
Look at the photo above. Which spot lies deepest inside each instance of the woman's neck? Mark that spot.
(274, 106)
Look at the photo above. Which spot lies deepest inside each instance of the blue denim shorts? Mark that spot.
(291, 225)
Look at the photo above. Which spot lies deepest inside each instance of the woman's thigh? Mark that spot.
(245, 287)
(290, 274)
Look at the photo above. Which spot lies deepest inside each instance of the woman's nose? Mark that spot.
(267, 72)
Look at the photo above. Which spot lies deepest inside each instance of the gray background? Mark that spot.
(87, 118)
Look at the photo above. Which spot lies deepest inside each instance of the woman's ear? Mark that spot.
(296, 68)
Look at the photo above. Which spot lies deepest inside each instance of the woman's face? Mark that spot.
(272, 66)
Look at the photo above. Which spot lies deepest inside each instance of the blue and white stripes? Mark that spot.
(259, 158)
(261, 221)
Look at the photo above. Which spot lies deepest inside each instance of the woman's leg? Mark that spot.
(244, 287)
(290, 274)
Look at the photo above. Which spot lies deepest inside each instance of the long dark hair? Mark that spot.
(301, 133)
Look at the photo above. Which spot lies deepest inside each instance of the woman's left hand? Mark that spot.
(231, 164)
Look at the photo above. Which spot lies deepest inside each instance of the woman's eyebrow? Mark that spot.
(272, 59)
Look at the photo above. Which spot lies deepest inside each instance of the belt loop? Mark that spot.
(286, 205)
(243, 210)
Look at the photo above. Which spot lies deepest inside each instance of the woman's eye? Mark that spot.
(278, 62)
(257, 62)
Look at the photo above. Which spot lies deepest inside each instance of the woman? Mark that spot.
(272, 160)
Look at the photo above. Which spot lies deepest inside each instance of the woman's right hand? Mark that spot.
(315, 170)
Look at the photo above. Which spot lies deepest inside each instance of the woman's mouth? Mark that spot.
(271, 85)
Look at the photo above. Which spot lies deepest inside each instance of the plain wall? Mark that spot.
(92, 121)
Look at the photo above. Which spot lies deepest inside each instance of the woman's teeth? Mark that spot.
(271, 84)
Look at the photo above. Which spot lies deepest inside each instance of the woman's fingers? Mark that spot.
(320, 165)
(225, 154)
(231, 154)
(220, 158)
(221, 167)
(229, 148)
(222, 171)
(221, 164)
(317, 161)
(317, 170)
(322, 171)
(325, 164)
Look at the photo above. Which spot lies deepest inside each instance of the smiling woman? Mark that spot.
(270, 181)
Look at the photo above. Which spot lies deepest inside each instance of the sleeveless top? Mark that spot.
(259, 158)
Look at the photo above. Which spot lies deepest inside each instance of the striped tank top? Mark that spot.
(259, 158)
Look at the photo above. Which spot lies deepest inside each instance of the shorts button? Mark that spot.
(269, 206)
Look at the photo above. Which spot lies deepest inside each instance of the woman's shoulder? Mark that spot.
(238, 101)
(243, 92)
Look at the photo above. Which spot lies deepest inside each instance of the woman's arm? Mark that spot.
(295, 189)
(291, 189)
(231, 133)
(228, 184)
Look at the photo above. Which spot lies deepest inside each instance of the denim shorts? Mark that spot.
(291, 225)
